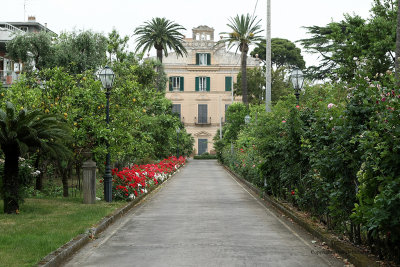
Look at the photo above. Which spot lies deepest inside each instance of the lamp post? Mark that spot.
(297, 78)
(107, 77)
(247, 119)
(178, 130)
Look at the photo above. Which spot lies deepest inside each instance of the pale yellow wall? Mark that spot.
(223, 64)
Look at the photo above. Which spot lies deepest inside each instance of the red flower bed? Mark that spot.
(129, 183)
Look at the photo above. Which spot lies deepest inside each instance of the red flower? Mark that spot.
(292, 192)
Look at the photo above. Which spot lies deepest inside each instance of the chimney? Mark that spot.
(31, 18)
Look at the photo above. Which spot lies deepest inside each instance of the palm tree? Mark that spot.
(161, 34)
(245, 30)
(19, 133)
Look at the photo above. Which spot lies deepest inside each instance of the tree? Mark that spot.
(34, 49)
(283, 53)
(256, 85)
(79, 52)
(347, 45)
(116, 46)
(20, 132)
(245, 30)
(162, 34)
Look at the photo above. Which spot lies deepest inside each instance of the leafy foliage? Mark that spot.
(19, 132)
(335, 156)
(343, 45)
(245, 31)
(280, 86)
(284, 53)
(162, 34)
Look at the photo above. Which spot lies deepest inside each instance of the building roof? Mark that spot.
(33, 24)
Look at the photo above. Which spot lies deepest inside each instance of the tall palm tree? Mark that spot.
(19, 132)
(245, 30)
(161, 34)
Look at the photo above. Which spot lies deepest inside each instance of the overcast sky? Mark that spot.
(288, 16)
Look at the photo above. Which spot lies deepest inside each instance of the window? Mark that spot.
(228, 83)
(202, 144)
(203, 84)
(176, 83)
(203, 59)
(202, 113)
(176, 108)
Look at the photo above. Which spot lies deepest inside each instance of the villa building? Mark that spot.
(10, 70)
(200, 85)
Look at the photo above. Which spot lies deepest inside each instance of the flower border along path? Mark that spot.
(133, 184)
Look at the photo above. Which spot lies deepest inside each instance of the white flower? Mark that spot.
(331, 118)
(132, 196)
(97, 198)
(331, 105)
(145, 190)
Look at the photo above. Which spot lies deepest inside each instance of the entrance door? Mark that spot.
(202, 146)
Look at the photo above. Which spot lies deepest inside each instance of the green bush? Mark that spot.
(335, 156)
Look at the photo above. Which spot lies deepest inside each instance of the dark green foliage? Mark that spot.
(20, 132)
(354, 43)
(256, 85)
(162, 34)
(81, 51)
(33, 48)
(335, 156)
(284, 53)
(245, 31)
(205, 156)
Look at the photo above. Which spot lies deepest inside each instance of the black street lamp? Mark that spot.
(297, 78)
(107, 77)
(178, 130)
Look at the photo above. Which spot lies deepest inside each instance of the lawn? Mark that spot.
(45, 224)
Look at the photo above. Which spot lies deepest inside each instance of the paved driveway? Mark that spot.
(203, 217)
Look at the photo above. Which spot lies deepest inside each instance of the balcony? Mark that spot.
(8, 77)
(202, 121)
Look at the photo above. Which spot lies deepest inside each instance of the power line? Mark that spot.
(255, 7)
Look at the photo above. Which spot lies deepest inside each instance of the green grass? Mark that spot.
(45, 224)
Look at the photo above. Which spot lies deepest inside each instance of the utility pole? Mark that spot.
(268, 60)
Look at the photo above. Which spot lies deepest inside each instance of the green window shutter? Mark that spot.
(181, 84)
(197, 59)
(208, 59)
(228, 83)
(208, 84)
(197, 83)
(170, 83)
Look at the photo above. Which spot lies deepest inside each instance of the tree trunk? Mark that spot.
(397, 61)
(244, 78)
(10, 180)
(159, 57)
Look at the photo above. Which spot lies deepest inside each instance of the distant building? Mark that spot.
(200, 85)
(10, 70)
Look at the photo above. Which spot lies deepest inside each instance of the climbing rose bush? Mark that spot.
(131, 182)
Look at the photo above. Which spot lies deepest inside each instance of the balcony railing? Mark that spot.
(8, 77)
(202, 121)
